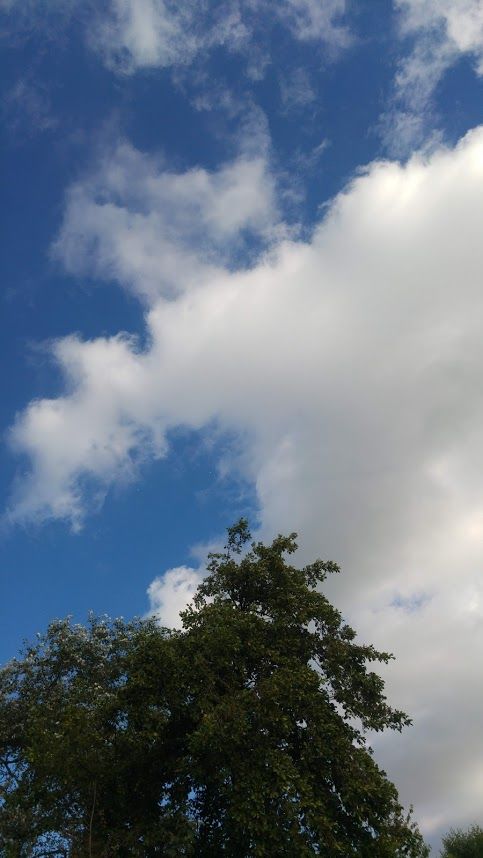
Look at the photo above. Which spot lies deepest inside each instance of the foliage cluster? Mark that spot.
(243, 734)
(463, 844)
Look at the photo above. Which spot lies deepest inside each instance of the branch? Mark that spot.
(91, 819)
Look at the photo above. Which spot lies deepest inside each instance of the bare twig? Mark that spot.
(91, 819)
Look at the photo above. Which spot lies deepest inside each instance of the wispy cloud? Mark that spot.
(140, 34)
(27, 109)
(455, 27)
(154, 33)
(441, 32)
(320, 20)
(296, 90)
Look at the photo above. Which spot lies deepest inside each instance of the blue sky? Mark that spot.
(241, 275)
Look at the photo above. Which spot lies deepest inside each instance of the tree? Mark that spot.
(84, 759)
(243, 734)
(463, 844)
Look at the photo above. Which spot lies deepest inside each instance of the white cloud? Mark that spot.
(171, 593)
(79, 443)
(159, 232)
(350, 365)
(458, 24)
(443, 32)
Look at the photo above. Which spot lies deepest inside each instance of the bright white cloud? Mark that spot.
(171, 593)
(351, 367)
(78, 444)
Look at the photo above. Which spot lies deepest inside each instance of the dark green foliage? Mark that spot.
(79, 742)
(463, 844)
(241, 735)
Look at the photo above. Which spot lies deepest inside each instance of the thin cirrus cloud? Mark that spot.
(148, 33)
(349, 365)
(139, 34)
(153, 33)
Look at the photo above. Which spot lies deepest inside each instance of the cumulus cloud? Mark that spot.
(171, 593)
(442, 31)
(349, 365)
(78, 444)
(159, 232)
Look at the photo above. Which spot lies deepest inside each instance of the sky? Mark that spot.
(241, 274)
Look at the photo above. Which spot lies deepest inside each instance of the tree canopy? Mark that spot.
(242, 734)
(463, 844)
